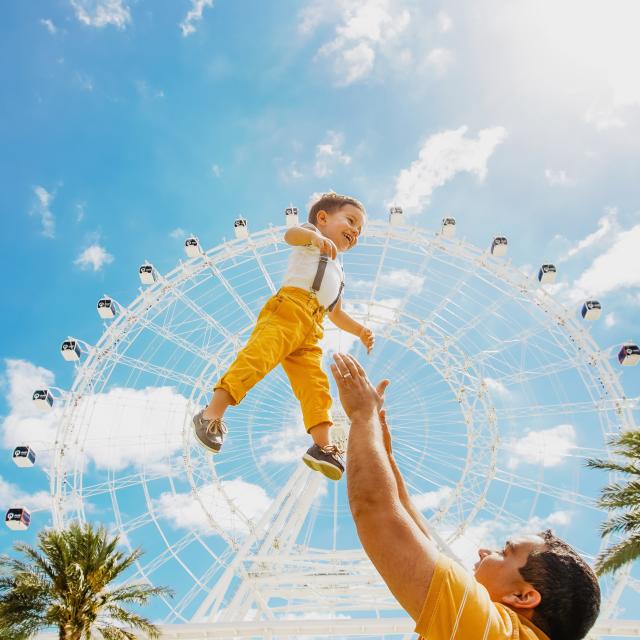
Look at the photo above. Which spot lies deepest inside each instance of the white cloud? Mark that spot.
(288, 444)
(616, 268)
(177, 233)
(80, 211)
(145, 424)
(42, 208)
(431, 499)
(147, 92)
(441, 157)
(497, 387)
(604, 119)
(93, 257)
(402, 279)
(185, 512)
(439, 60)
(492, 534)
(444, 22)
(12, 496)
(48, 25)
(606, 226)
(83, 80)
(100, 13)
(216, 170)
(194, 15)
(365, 29)
(329, 154)
(558, 178)
(337, 341)
(610, 320)
(547, 447)
(290, 172)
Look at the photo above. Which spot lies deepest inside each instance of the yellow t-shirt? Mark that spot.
(458, 607)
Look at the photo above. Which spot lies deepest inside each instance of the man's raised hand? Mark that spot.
(357, 394)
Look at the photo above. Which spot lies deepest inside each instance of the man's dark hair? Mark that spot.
(331, 202)
(569, 588)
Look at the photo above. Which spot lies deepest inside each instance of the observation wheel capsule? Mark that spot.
(18, 519)
(192, 247)
(591, 310)
(24, 456)
(291, 216)
(107, 308)
(70, 350)
(240, 228)
(148, 274)
(395, 216)
(629, 355)
(448, 227)
(43, 399)
(547, 274)
(499, 246)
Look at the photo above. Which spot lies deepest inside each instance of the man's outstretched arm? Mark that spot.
(403, 494)
(398, 547)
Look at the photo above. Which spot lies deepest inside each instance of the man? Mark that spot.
(535, 588)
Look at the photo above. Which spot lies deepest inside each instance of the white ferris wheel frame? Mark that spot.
(345, 580)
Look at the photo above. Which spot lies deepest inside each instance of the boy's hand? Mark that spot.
(367, 337)
(325, 245)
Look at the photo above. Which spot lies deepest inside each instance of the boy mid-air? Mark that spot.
(289, 328)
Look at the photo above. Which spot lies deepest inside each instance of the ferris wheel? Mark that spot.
(498, 394)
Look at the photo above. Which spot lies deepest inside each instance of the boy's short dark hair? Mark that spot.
(569, 588)
(331, 202)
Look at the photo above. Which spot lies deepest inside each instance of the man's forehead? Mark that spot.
(530, 540)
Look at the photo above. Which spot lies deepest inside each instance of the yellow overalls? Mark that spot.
(287, 333)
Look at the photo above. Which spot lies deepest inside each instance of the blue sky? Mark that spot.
(126, 125)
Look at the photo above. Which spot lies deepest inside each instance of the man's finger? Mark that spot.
(337, 376)
(357, 366)
(346, 365)
(341, 365)
(382, 387)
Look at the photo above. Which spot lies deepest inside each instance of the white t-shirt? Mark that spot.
(302, 269)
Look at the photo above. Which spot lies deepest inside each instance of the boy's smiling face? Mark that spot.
(343, 226)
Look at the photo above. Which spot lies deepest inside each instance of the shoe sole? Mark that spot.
(325, 468)
(203, 444)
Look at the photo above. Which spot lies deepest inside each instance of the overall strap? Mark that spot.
(322, 267)
(317, 281)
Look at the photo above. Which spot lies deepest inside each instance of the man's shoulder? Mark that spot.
(455, 599)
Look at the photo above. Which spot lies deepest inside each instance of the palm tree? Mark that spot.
(624, 498)
(66, 582)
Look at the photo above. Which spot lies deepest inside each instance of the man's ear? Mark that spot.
(526, 598)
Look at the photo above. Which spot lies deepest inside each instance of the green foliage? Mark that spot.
(66, 582)
(622, 498)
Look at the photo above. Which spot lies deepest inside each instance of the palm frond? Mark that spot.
(132, 620)
(622, 523)
(619, 495)
(617, 555)
(610, 465)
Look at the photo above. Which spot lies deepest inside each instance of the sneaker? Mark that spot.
(327, 460)
(209, 433)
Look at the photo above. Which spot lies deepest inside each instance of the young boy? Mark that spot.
(289, 328)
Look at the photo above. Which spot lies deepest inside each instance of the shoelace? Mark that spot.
(216, 425)
(333, 450)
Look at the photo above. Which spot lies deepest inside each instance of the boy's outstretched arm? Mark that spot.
(344, 321)
(302, 237)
